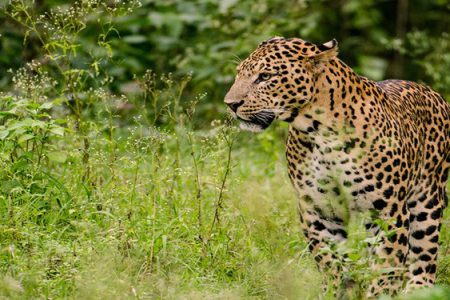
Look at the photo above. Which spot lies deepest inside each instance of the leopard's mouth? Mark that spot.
(258, 121)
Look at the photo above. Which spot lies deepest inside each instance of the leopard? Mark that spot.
(355, 147)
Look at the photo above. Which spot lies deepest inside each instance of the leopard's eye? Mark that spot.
(263, 77)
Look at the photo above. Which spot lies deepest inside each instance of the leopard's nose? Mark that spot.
(235, 105)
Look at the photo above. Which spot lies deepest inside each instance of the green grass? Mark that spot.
(133, 230)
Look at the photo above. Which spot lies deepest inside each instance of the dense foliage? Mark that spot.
(120, 175)
(405, 39)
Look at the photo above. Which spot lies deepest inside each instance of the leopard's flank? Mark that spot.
(384, 147)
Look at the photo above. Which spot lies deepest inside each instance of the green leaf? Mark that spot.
(38, 123)
(25, 137)
(20, 124)
(354, 256)
(6, 113)
(20, 165)
(4, 134)
(46, 105)
(57, 130)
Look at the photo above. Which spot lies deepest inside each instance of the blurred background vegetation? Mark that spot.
(120, 175)
(381, 39)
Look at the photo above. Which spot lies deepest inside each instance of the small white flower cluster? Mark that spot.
(107, 80)
(33, 81)
(148, 81)
(101, 94)
(34, 65)
(216, 123)
(167, 79)
(62, 22)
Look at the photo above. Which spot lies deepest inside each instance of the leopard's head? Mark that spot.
(277, 80)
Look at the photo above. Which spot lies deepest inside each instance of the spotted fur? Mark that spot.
(354, 145)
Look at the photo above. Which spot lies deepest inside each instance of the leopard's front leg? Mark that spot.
(389, 252)
(322, 234)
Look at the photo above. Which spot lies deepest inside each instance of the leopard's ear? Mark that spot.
(328, 50)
